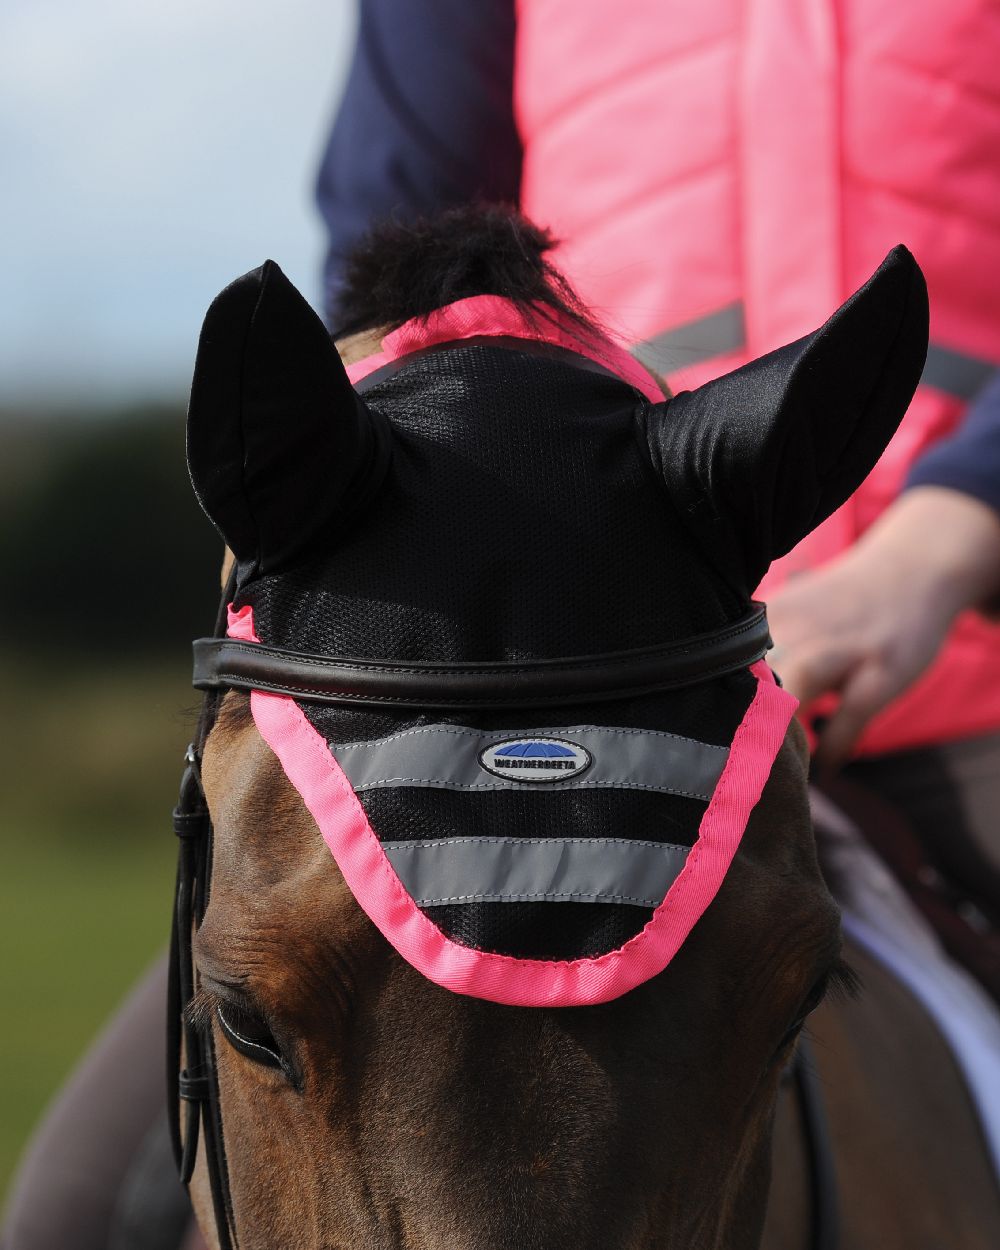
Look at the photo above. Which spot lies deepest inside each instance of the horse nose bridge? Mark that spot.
(537, 1215)
(547, 1144)
(545, 1092)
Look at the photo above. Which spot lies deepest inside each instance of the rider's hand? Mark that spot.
(869, 623)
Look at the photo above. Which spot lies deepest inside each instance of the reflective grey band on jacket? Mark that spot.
(447, 757)
(718, 333)
(956, 373)
(518, 870)
(713, 335)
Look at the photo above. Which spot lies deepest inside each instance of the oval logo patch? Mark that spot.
(535, 759)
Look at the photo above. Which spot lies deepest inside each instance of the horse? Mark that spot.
(499, 915)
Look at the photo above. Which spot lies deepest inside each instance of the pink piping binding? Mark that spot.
(491, 316)
(342, 821)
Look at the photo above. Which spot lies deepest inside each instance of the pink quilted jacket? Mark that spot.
(726, 172)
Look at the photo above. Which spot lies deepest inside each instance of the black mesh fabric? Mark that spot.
(541, 930)
(520, 519)
(404, 814)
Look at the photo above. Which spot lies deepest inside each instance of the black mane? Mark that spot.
(401, 270)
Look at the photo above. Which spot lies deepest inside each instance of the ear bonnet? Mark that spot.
(493, 604)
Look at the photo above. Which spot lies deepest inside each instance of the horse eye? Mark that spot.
(247, 1033)
(812, 1001)
(791, 1035)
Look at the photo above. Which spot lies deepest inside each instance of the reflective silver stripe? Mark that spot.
(955, 373)
(713, 335)
(447, 757)
(951, 371)
(519, 870)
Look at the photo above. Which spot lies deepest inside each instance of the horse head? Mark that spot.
(512, 914)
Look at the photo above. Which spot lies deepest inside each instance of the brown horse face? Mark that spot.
(403, 1115)
(489, 504)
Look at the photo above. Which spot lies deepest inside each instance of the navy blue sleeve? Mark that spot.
(426, 120)
(969, 460)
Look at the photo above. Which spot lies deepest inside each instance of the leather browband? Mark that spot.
(221, 663)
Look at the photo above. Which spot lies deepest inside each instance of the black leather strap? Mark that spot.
(225, 663)
(192, 1081)
(824, 1193)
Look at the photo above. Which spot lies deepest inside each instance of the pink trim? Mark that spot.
(492, 316)
(342, 821)
(240, 624)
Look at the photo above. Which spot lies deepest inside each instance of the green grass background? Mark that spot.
(107, 569)
(89, 766)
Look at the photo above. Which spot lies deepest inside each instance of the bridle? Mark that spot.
(192, 1080)
(222, 664)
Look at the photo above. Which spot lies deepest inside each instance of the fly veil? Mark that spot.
(493, 604)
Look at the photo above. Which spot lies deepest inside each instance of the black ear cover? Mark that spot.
(279, 444)
(759, 457)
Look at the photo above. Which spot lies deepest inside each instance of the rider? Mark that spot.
(720, 182)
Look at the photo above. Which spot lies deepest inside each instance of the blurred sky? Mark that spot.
(148, 155)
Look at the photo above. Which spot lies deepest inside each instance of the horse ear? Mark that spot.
(278, 441)
(759, 457)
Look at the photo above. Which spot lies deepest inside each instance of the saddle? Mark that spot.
(965, 920)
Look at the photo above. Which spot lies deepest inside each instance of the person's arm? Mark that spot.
(426, 120)
(867, 625)
(969, 459)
